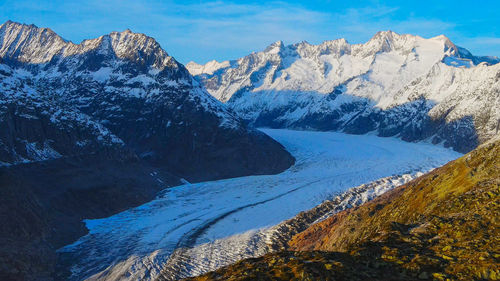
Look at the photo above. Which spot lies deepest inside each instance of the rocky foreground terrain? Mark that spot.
(441, 226)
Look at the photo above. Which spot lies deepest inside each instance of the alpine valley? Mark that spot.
(92, 129)
(317, 161)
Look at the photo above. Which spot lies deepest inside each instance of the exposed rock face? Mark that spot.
(91, 129)
(442, 225)
(119, 91)
(393, 85)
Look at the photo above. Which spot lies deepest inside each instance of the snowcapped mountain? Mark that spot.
(119, 90)
(392, 85)
(91, 129)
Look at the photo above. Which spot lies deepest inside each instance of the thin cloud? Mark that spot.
(223, 30)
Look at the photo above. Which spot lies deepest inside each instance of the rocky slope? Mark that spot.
(123, 91)
(441, 226)
(90, 129)
(198, 260)
(393, 85)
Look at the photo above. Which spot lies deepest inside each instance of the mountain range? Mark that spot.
(91, 129)
(119, 92)
(393, 85)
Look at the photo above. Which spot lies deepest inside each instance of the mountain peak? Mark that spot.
(387, 35)
(31, 44)
(275, 47)
(129, 32)
(382, 41)
(6, 23)
(336, 42)
(452, 50)
(440, 37)
(278, 43)
(139, 47)
(447, 42)
(24, 42)
(12, 25)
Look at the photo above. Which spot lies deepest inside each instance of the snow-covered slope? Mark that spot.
(91, 129)
(196, 219)
(396, 85)
(119, 89)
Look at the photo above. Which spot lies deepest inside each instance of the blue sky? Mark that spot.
(221, 30)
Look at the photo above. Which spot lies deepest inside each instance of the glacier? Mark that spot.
(137, 243)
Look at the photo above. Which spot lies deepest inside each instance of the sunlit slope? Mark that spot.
(441, 226)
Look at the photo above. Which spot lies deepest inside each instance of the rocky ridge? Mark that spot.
(393, 85)
(440, 226)
(119, 90)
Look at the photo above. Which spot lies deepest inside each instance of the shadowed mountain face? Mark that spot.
(119, 92)
(393, 85)
(91, 129)
(441, 226)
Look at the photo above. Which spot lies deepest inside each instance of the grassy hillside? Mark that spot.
(442, 226)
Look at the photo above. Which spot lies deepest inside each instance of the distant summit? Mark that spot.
(393, 85)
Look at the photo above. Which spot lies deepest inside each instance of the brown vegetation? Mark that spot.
(441, 226)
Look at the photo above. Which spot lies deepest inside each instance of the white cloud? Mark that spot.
(220, 30)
